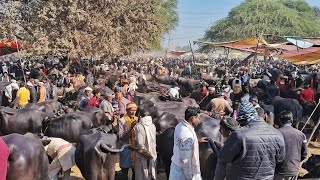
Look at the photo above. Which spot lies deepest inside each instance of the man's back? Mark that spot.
(273, 91)
(220, 105)
(253, 151)
(307, 95)
(24, 95)
(296, 151)
(173, 92)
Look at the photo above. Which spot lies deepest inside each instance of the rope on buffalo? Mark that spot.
(310, 115)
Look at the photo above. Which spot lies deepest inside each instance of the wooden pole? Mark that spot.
(256, 51)
(313, 131)
(22, 66)
(193, 59)
(310, 115)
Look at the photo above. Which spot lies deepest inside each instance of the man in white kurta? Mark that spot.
(185, 160)
(145, 140)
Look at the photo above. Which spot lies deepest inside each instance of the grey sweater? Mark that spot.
(296, 151)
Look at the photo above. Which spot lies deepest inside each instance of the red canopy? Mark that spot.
(8, 47)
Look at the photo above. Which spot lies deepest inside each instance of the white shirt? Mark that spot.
(185, 143)
(173, 92)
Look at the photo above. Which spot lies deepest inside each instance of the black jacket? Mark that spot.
(296, 151)
(251, 152)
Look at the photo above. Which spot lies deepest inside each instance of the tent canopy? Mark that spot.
(8, 47)
(301, 52)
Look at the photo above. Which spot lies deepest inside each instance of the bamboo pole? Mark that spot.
(22, 66)
(313, 131)
(193, 58)
(310, 115)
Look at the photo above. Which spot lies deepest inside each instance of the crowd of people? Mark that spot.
(254, 147)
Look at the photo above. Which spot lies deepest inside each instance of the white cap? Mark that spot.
(15, 85)
(13, 81)
(110, 95)
(88, 89)
(211, 88)
(40, 83)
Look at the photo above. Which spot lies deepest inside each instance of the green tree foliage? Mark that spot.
(89, 27)
(276, 17)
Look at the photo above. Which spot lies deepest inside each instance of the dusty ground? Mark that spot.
(314, 148)
(76, 174)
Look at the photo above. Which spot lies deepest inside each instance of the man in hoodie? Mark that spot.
(185, 160)
(145, 136)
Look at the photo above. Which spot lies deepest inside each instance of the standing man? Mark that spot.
(42, 92)
(89, 79)
(121, 110)
(296, 149)
(94, 101)
(23, 96)
(106, 105)
(145, 131)
(127, 136)
(185, 160)
(85, 99)
(219, 105)
(33, 92)
(272, 90)
(252, 151)
(306, 95)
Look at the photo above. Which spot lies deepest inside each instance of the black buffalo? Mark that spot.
(71, 126)
(96, 155)
(27, 159)
(21, 120)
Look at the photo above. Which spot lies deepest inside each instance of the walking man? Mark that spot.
(145, 132)
(252, 151)
(296, 149)
(185, 160)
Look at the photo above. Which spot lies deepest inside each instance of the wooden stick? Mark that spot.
(310, 116)
(22, 67)
(313, 131)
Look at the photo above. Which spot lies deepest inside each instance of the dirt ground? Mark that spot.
(76, 174)
(314, 148)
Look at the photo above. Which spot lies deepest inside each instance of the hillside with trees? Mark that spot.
(275, 17)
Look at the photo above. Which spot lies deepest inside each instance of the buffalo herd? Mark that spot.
(96, 150)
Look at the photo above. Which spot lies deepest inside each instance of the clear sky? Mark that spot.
(195, 16)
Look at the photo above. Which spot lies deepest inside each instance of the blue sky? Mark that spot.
(197, 15)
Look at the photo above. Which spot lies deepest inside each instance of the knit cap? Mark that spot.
(246, 111)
